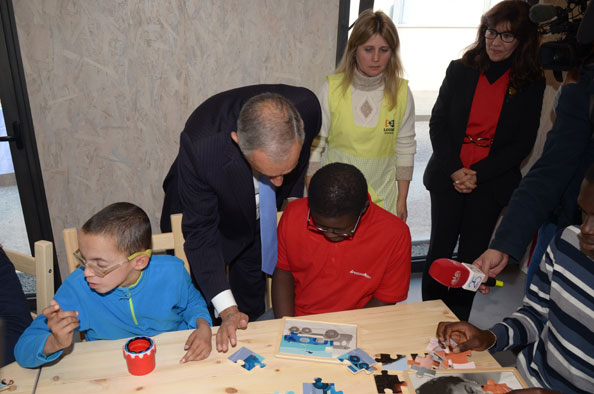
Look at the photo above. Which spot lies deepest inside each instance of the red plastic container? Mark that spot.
(139, 353)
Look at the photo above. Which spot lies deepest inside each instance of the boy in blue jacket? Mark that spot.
(119, 291)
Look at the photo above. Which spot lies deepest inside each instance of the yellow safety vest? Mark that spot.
(370, 149)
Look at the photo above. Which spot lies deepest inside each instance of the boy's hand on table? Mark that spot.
(466, 336)
(62, 325)
(198, 345)
(232, 320)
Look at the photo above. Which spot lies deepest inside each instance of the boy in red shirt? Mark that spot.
(339, 251)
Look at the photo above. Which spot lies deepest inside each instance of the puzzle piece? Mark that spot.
(319, 387)
(421, 371)
(400, 363)
(495, 388)
(425, 361)
(249, 358)
(433, 344)
(7, 384)
(299, 344)
(468, 365)
(423, 364)
(358, 360)
(387, 381)
(449, 360)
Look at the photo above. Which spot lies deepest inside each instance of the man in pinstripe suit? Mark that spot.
(228, 142)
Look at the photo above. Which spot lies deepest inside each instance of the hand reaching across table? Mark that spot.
(232, 320)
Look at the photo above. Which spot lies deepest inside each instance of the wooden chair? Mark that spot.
(41, 266)
(161, 243)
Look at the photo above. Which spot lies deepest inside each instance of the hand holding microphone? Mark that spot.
(454, 274)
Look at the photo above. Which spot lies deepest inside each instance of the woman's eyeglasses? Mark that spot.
(491, 34)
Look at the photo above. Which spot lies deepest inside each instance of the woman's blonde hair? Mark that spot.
(368, 24)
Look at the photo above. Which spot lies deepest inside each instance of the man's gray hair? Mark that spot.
(271, 123)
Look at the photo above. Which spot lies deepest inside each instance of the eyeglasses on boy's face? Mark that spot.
(506, 36)
(322, 229)
(101, 272)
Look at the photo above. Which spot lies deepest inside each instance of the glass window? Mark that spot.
(456, 13)
(428, 42)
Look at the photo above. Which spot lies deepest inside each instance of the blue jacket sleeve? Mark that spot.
(28, 351)
(192, 303)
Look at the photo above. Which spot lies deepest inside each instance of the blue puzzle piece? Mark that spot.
(358, 360)
(421, 371)
(319, 387)
(304, 345)
(249, 358)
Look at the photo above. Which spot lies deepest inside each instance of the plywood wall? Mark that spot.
(111, 84)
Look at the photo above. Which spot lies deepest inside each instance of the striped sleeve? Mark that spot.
(525, 325)
(556, 320)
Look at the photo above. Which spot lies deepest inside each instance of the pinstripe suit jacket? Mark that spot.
(210, 182)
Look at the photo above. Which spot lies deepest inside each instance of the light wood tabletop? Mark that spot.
(99, 366)
(24, 379)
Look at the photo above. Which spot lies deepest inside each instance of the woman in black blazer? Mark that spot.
(482, 126)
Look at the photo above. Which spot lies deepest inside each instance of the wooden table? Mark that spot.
(24, 379)
(100, 367)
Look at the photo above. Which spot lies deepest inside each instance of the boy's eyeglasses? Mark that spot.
(315, 227)
(100, 272)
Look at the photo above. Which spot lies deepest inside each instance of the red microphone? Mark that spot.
(452, 273)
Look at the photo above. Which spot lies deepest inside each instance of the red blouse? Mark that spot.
(482, 122)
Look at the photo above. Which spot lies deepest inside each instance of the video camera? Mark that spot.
(566, 53)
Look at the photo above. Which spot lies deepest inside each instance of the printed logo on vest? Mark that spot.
(389, 127)
(364, 274)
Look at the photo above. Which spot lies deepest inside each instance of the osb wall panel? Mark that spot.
(111, 84)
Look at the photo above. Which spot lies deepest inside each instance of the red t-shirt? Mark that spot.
(484, 116)
(337, 276)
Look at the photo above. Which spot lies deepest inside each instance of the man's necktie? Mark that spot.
(268, 225)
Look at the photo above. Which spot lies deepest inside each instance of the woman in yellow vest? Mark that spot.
(368, 114)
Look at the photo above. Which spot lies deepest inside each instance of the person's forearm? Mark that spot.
(283, 293)
(51, 346)
(202, 324)
(403, 187)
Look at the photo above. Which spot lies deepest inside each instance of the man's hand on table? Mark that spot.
(491, 262)
(198, 345)
(232, 320)
(466, 336)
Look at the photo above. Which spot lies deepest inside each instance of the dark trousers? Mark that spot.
(247, 281)
(14, 310)
(468, 219)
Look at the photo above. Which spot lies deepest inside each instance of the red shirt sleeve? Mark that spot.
(396, 279)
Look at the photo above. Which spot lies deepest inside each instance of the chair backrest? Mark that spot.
(41, 266)
(161, 243)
